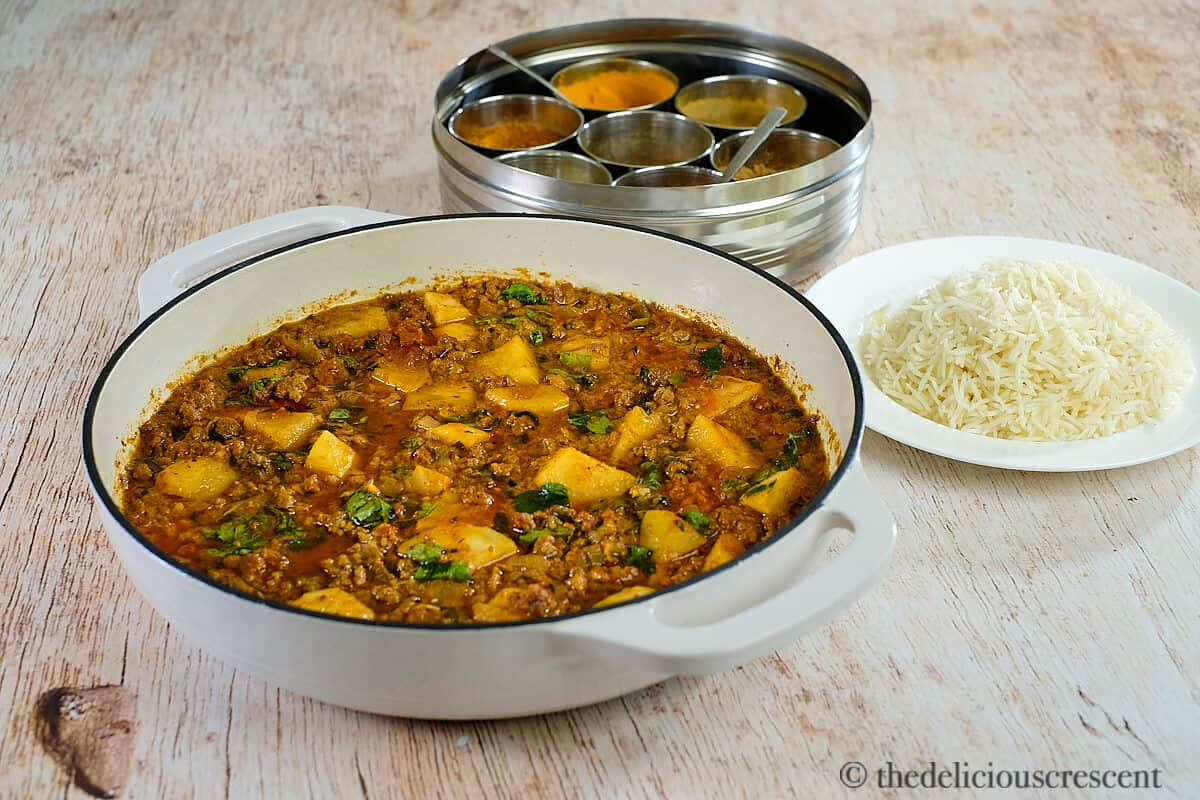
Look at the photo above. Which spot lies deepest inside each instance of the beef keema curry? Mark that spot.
(491, 451)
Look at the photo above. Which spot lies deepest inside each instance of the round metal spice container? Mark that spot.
(559, 164)
(789, 223)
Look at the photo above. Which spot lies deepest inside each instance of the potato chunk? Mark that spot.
(330, 455)
(499, 608)
(721, 393)
(588, 480)
(276, 373)
(668, 535)
(462, 331)
(634, 429)
(358, 322)
(514, 360)
(426, 481)
(534, 399)
(459, 433)
(200, 478)
(721, 445)
(444, 308)
(476, 545)
(596, 348)
(624, 596)
(456, 397)
(448, 511)
(400, 376)
(726, 548)
(283, 429)
(334, 601)
(775, 494)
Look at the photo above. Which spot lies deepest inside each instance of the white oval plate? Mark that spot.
(848, 294)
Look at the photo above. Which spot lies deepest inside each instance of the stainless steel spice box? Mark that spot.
(789, 224)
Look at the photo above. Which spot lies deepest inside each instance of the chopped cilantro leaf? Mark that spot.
(522, 294)
(246, 398)
(580, 362)
(246, 533)
(760, 487)
(507, 319)
(425, 553)
(367, 509)
(712, 359)
(443, 570)
(652, 474)
(536, 336)
(698, 520)
(640, 557)
(281, 460)
(791, 449)
(549, 494)
(586, 380)
(651, 501)
(427, 556)
(242, 534)
(596, 422)
(261, 383)
(285, 525)
(425, 509)
(340, 413)
(529, 537)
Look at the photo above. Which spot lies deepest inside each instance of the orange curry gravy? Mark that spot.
(491, 451)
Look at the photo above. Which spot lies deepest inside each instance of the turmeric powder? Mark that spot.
(619, 89)
(512, 135)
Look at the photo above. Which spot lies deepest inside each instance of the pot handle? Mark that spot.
(171, 274)
(644, 641)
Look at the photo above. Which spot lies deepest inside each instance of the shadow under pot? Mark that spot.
(634, 139)
(510, 122)
(558, 164)
(784, 149)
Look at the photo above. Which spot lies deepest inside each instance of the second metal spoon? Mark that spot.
(768, 123)
(504, 56)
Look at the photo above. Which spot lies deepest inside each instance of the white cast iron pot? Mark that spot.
(759, 602)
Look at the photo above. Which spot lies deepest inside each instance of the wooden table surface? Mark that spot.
(1028, 620)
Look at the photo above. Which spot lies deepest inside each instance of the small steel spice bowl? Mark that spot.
(645, 139)
(715, 101)
(784, 149)
(587, 68)
(559, 164)
(470, 123)
(669, 176)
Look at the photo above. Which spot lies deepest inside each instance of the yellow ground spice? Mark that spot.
(617, 90)
(728, 112)
(753, 170)
(512, 135)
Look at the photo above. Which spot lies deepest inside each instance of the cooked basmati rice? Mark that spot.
(1028, 350)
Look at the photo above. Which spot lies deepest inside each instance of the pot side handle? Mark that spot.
(638, 638)
(171, 274)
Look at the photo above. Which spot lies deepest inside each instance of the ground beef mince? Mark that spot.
(491, 451)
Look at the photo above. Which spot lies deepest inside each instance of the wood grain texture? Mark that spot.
(1028, 620)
